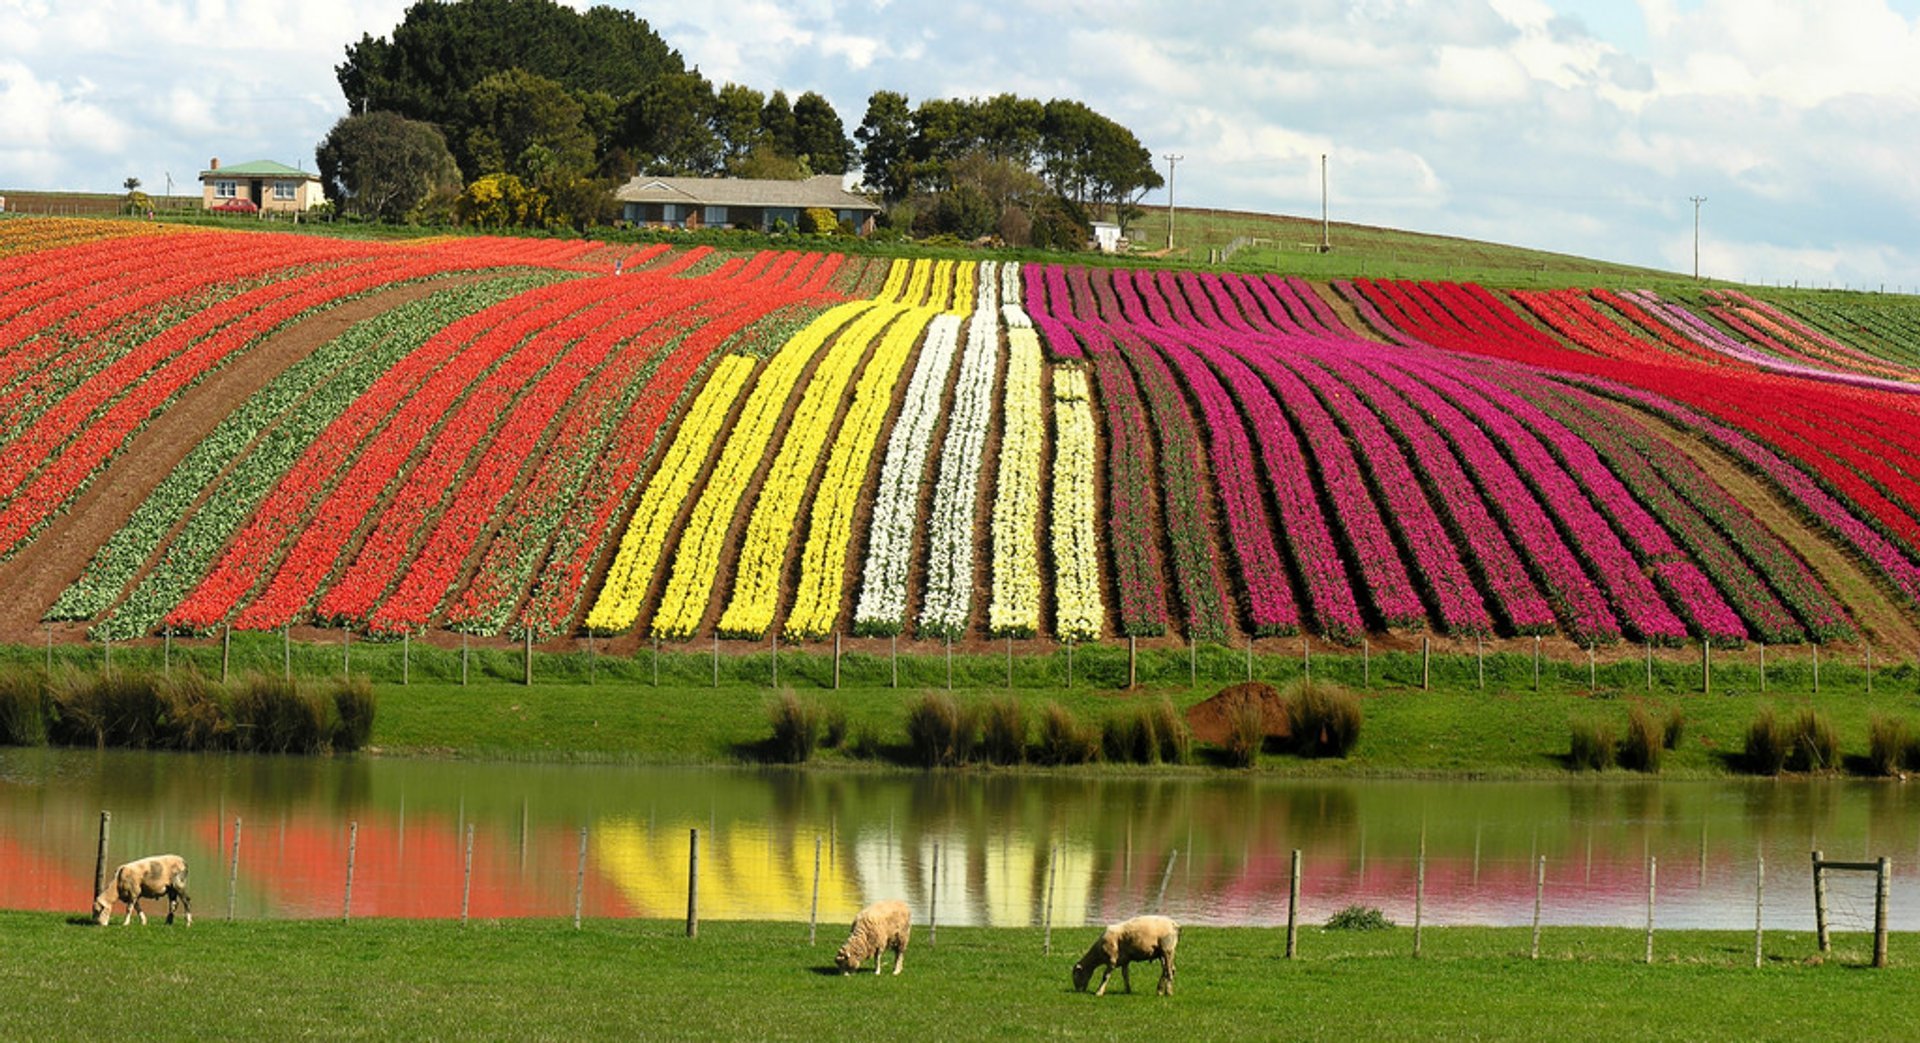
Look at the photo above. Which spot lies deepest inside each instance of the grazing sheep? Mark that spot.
(146, 878)
(1141, 938)
(879, 927)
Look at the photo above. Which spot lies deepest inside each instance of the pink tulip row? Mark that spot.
(1133, 525)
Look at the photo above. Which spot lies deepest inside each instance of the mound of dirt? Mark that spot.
(1209, 718)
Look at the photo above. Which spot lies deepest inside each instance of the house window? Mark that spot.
(670, 214)
(714, 216)
(777, 214)
(283, 190)
(226, 189)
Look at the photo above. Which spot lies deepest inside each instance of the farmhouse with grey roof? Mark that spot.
(732, 202)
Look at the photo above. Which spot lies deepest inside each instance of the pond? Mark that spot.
(278, 837)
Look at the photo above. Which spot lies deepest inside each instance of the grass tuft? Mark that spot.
(1324, 719)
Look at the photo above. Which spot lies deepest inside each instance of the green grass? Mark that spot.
(597, 707)
(645, 979)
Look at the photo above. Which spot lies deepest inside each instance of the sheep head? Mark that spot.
(1083, 973)
(103, 908)
(846, 961)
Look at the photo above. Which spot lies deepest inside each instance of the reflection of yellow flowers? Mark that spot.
(690, 585)
(746, 873)
(1016, 506)
(1075, 549)
(633, 567)
(823, 562)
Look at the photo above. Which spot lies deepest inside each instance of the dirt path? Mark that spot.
(36, 576)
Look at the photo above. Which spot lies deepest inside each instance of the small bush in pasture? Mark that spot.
(353, 713)
(273, 715)
(1324, 719)
(796, 728)
(1003, 731)
(939, 731)
(1887, 743)
(1815, 745)
(23, 708)
(1590, 746)
(1768, 744)
(1676, 727)
(834, 728)
(1064, 740)
(197, 717)
(1172, 739)
(1359, 918)
(1246, 730)
(1645, 742)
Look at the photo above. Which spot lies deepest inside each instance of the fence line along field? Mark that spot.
(531, 439)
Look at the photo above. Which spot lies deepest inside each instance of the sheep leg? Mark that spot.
(1166, 973)
(899, 956)
(186, 903)
(1125, 978)
(1106, 975)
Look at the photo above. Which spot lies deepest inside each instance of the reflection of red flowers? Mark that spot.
(37, 882)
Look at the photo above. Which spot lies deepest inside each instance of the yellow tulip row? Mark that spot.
(633, 566)
(1015, 608)
(896, 284)
(696, 562)
(823, 562)
(763, 548)
(1076, 555)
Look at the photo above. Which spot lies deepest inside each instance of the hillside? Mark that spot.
(497, 437)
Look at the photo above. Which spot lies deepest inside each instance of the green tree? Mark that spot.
(382, 166)
(736, 120)
(511, 112)
(777, 125)
(668, 126)
(819, 135)
(886, 138)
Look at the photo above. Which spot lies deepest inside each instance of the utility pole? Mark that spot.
(1171, 159)
(1697, 200)
(1325, 243)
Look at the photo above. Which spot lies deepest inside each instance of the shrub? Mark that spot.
(197, 716)
(1590, 747)
(353, 713)
(796, 728)
(939, 732)
(106, 709)
(1003, 731)
(1359, 918)
(1323, 719)
(1246, 730)
(1676, 726)
(1768, 744)
(1887, 744)
(1064, 740)
(1815, 746)
(273, 715)
(1645, 741)
(23, 708)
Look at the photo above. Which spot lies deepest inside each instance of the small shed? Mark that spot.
(1106, 237)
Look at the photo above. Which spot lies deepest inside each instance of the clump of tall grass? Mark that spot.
(1246, 730)
(796, 728)
(111, 708)
(275, 715)
(1359, 918)
(1887, 743)
(1172, 738)
(23, 707)
(1816, 747)
(1323, 719)
(1063, 739)
(197, 714)
(353, 713)
(1645, 741)
(1003, 731)
(834, 728)
(1768, 744)
(1676, 727)
(1151, 734)
(1123, 739)
(1590, 746)
(940, 732)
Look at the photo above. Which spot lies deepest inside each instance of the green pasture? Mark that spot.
(1476, 716)
(738, 980)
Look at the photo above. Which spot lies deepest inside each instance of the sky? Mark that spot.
(1581, 126)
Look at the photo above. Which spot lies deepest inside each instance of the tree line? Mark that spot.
(529, 113)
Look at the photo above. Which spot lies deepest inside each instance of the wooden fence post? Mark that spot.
(526, 659)
(1133, 661)
(580, 879)
(1539, 894)
(1653, 870)
(1053, 867)
(1426, 663)
(1883, 877)
(836, 660)
(100, 856)
(1536, 662)
(353, 842)
(1763, 667)
(1293, 906)
(1820, 902)
(693, 883)
(286, 652)
(1706, 666)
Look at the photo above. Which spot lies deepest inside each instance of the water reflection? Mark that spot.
(278, 837)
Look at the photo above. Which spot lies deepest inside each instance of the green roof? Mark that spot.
(257, 168)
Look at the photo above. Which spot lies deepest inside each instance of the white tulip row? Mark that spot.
(1015, 609)
(1013, 311)
(950, 549)
(1076, 552)
(882, 605)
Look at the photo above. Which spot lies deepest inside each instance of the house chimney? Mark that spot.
(214, 163)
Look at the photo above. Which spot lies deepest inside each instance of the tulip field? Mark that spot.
(516, 438)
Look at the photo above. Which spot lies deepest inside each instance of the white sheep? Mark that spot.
(879, 927)
(1141, 938)
(154, 877)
